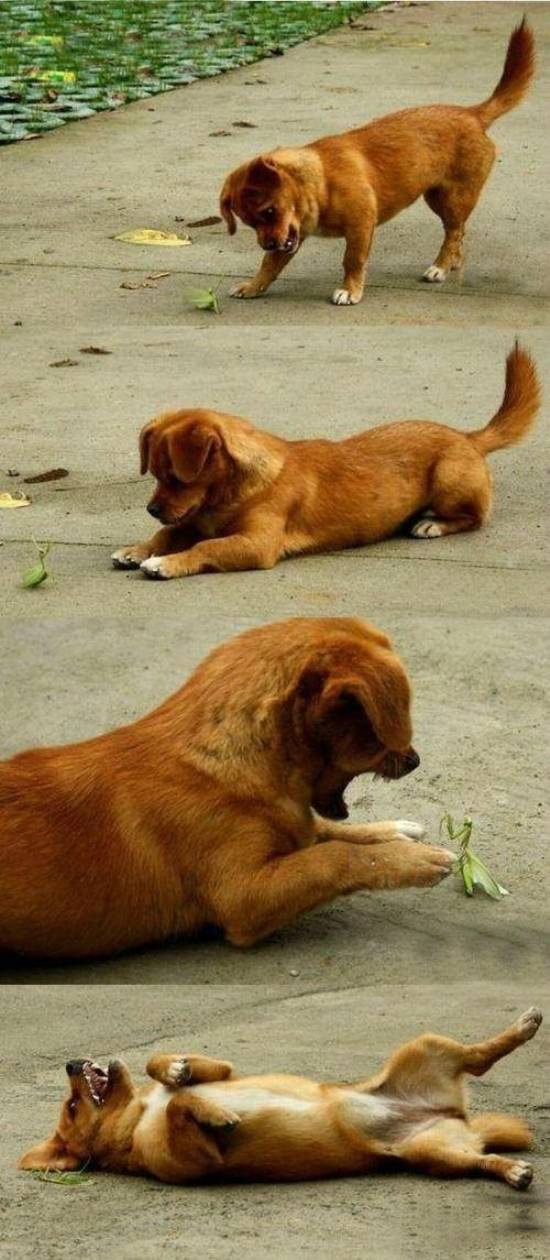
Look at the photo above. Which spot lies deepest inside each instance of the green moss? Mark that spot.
(64, 59)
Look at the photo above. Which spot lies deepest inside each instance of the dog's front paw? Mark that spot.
(407, 830)
(343, 297)
(223, 1118)
(156, 567)
(130, 557)
(247, 289)
(179, 1072)
(434, 274)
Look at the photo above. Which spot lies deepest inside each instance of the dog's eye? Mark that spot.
(72, 1106)
(268, 213)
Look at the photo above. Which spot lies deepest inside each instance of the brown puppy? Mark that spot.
(234, 497)
(201, 1120)
(202, 812)
(346, 185)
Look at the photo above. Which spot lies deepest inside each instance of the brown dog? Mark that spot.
(347, 185)
(201, 1120)
(234, 497)
(202, 812)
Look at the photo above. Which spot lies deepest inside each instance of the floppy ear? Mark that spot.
(226, 209)
(144, 447)
(381, 690)
(190, 450)
(263, 175)
(50, 1154)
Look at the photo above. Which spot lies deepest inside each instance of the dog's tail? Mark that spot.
(500, 1132)
(518, 408)
(515, 79)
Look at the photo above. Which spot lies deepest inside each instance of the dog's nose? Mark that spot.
(412, 761)
(74, 1066)
(154, 510)
(270, 244)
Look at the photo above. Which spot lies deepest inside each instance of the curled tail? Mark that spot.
(518, 408)
(515, 79)
(501, 1132)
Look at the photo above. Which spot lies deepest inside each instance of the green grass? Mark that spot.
(66, 59)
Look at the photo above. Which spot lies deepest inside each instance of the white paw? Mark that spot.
(153, 567)
(530, 1022)
(409, 830)
(178, 1072)
(434, 275)
(520, 1175)
(343, 297)
(426, 529)
(245, 290)
(124, 559)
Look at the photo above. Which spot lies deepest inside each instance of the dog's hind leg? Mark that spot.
(460, 498)
(453, 203)
(451, 1149)
(430, 1069)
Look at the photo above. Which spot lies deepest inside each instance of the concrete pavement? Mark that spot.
(95, 648)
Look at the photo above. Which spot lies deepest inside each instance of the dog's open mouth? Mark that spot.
(97, 1080)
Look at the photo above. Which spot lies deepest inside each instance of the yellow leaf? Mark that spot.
(56, 76)
(13, 500)
(150, 236)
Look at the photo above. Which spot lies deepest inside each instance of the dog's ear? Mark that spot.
(381, 690)
(192, 448)
(226, 207)
(263, 175)
(144, 447)
(53, 1153)
(375, 692)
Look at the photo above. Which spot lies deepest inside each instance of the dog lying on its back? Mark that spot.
(347, 185)
(201, 1120)
(233, 497)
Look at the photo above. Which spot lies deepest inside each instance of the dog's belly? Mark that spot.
(249, 1100)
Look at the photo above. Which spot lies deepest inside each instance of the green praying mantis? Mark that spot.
(473, 871)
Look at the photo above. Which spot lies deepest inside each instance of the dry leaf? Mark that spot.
(219, 133)
(137, 284)
(208, 222)
(53, 474)
(13, 500)
(159, 275)
(94, 350)
(241, 123)
(65, 363)
(150, 236)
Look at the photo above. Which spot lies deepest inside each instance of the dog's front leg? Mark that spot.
(193, 1127)
(222, 555)
(271, 266)
(358, 234)
(367, 833)
(286, 886)
(175, 1070)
